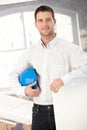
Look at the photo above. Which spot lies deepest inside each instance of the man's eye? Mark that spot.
(39, 20)
(48, 19)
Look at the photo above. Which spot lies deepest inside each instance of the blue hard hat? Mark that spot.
(27, 77)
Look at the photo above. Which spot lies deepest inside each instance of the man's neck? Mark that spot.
(47, 39)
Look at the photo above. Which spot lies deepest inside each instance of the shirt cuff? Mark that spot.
(72, 75)
(21, 91)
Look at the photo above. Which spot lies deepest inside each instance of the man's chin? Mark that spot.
(45, 34)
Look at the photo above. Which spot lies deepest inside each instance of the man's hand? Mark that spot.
(32, 92)
(56, 84)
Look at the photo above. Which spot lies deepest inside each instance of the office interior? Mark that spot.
(17, 32)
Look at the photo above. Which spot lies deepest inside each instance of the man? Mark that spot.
(56, 62)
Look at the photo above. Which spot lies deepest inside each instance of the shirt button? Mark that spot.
(48, 107)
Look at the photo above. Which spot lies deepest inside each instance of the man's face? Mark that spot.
(45, 23)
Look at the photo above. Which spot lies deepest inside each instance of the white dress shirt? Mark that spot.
(58, 59)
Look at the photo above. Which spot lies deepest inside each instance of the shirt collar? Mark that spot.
(51, 43)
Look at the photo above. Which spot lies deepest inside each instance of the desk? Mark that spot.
(70, 105)
(15, 109)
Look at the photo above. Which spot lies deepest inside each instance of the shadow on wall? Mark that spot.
(19, 126)
(83, 34)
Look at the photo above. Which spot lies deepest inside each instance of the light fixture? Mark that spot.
(3, 2)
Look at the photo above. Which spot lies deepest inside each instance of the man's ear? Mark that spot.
(54, 21)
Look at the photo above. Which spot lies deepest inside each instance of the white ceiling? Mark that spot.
(2, 2)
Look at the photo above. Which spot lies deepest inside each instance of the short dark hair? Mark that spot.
(44, 8)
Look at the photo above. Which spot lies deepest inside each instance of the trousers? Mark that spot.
(43, 117)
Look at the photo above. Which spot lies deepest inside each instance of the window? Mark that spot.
(11, 32)
(64, 24)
